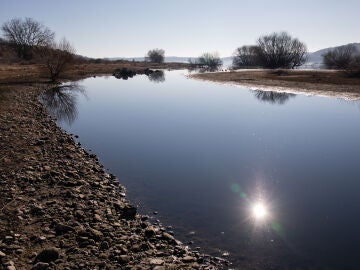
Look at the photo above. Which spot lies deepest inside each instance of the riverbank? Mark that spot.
(35, 73)
(308, 82)
(59, 209)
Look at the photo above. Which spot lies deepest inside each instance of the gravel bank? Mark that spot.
(59, 209)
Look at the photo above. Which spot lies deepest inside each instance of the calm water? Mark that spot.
(202, 154)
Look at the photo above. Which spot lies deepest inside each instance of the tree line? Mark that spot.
(28, 37)
(277, 50)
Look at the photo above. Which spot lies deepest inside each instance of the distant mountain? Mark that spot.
(315, 58)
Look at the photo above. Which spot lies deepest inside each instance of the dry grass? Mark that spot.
(17, 73)
(312, 82)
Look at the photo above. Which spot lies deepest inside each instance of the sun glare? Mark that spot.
(259, 211)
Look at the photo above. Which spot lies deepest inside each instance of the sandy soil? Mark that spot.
(308, 82)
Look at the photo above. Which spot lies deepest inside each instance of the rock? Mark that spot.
(2, 254)
(61, 229)
(188, 259)
(40, 266)
(168, 237)
(104, 245)
(124, 259)
(95, 234)
(150, 232)
(129, 212)
(97, 218)
(47, 255)
(11, 265)
(154, 262)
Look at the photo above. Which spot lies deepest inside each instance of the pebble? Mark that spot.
(47, 255)
(72, 214)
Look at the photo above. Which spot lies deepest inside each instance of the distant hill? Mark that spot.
(315, 58)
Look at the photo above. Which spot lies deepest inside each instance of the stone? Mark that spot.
(104, 245)
(47, 255)
(124, 259)
(40, 266)
(97, 218)
(62, 228)
(150, 232)
(129, 212)
(95, 234)
(188, 259)
(156, 262)
(168, 237)
(2, 254)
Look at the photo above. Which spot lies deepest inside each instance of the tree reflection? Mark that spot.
(158, 76)
(61, 101)
(273, 97)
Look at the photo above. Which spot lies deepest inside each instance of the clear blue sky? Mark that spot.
(110, 28)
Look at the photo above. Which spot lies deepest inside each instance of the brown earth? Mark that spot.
(309, 82)
(35, 73)
(59, 209)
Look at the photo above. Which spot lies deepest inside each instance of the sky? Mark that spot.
(129, 28)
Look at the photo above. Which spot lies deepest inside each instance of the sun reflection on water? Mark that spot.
(259, 211)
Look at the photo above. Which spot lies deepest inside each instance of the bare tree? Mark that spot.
(156, 56)
(210, 61)
(246, 57)
(272, 96)
(158, 76)
(58, 57)
(61, 101)
(25, 35)
(340, 57)
(280, 50)
(353, 69)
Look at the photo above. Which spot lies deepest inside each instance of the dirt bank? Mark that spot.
(308, 82)
(59, 209)
(34, 73)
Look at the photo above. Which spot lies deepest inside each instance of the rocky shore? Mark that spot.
(59, 209)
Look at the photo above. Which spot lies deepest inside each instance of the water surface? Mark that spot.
(202, 154)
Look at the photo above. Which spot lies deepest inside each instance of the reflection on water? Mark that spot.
(273, 97)
(158, 76)
(273, 187)
(61, 101)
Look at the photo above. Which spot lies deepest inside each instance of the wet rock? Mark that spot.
(47, 255)
(129, 212)
(150, 232)
(168, 237)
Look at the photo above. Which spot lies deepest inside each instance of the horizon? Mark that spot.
(128, 29)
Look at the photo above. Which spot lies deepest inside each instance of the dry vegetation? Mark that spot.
(313, 82)
(17, 73)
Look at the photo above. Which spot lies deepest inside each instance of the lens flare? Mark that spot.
(259, 210)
